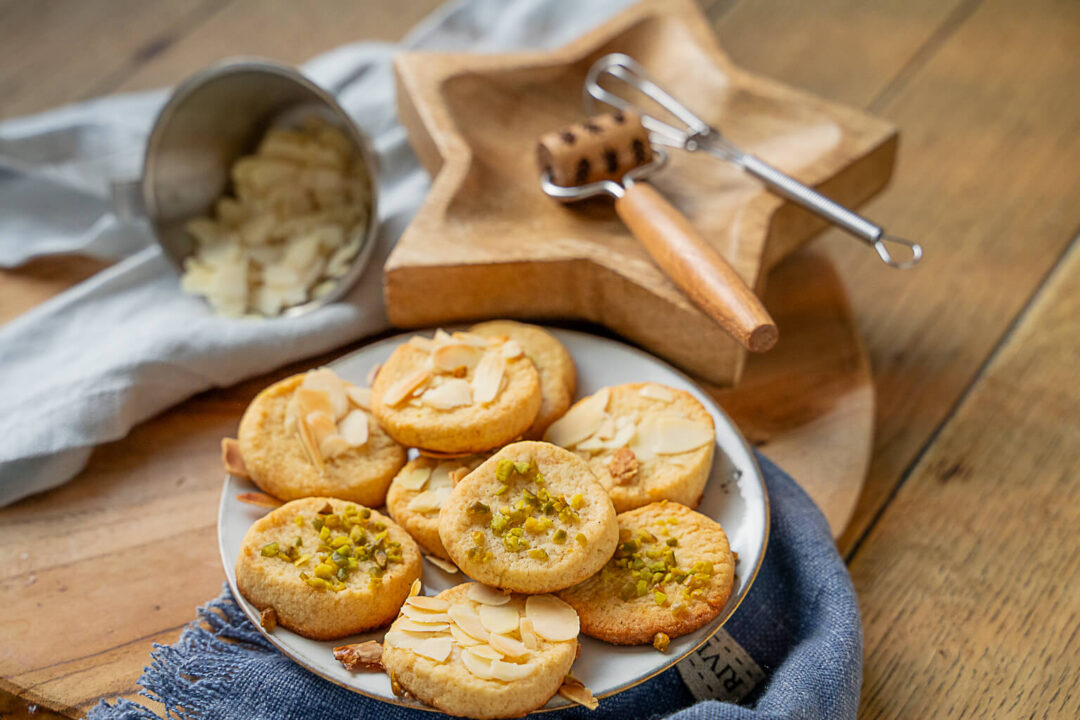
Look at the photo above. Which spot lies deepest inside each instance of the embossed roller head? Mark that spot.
(604, 147)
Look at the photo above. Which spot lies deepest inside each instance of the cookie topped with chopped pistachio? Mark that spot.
(644, 441)
(672, 573)
(329, 568)
(478, 652)
(456, 394)
(532, 519)
(418, 492)
(313, 435)
(558, 376)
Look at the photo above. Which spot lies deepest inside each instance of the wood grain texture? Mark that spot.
(980, 92)
(488, 242)
(970, 583)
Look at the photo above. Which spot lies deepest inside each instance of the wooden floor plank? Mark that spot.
(845, 50)
(282, 30)
(982, 184)
(970, 583)
(58, 51)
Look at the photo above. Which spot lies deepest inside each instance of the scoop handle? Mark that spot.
(692, 264)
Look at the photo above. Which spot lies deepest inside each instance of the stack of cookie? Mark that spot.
(508, 482)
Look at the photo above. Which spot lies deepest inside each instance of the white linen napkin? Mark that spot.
(84, 367)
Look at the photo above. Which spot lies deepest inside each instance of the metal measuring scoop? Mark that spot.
(700, 136)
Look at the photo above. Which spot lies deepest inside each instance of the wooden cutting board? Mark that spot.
(487, 241)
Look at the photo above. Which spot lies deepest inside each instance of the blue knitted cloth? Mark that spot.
(792, 650)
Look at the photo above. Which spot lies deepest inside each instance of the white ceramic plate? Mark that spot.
(734, 496)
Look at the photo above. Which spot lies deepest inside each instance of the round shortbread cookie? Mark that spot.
(530, 519)
(418, 492)
(672, 573)
(644, 441)
(558, 376)
(475, 652)
(327, 567)
(278, 462)
(456, 394)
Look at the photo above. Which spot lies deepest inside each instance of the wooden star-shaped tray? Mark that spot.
(488, 242)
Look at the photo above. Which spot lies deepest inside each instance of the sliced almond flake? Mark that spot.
(455, 392)
(552, 619)
(486, 651)
(528, 634)
(310, 400)
(407, 624)
(511, 672)
(473, 339)
(259, 499)
(419, 615)
(442, 337)
(322, 425)
(401, 389)
(580, 421)
(326, 380)
(624, 433)
(292, 412)
(333, 446)
(488, 377)
(499, 619)
(606, 431)
(463, 638)
(310, 446)
(422, 343)
(448, 358)
(428, 603)
(508, 646)
(360, 656)
(354, 428)
(372, 374)
(575, 691)
(436, 648)
(444, 565)
(487, 595)
(440, 476)
(679, 435)
(359, 396)
(232, 459)
(428, 501)
(459, 474)
(512, 349)
(468, 620)
(414, 479)
(414, 589)
(478, 666)
(656, 392)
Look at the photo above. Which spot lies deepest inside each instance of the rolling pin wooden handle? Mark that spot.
(693, 265)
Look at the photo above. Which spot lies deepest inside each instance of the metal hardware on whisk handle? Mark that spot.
(699, 135)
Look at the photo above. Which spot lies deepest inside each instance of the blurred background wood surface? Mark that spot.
(963, 545)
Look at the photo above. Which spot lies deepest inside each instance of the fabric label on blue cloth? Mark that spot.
(720, 670)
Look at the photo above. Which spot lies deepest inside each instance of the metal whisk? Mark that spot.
(700, 136)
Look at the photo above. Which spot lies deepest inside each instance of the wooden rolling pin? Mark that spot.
(606, 148)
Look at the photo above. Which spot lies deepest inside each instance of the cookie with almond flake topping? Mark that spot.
(313, 435)
(645, 442)
(456, 394)
(476, 652)
(558, 376)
